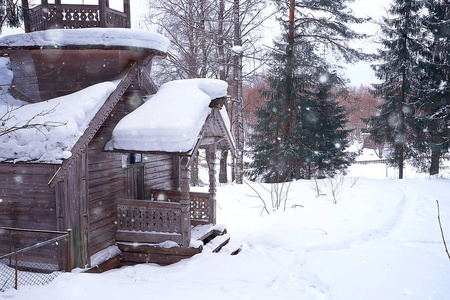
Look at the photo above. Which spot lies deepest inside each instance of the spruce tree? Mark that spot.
(299, 130)
(433, 106)
(399, 81)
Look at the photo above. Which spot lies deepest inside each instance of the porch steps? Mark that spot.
(110, 264)
(233, 247)
(147, 253)
(217, 243)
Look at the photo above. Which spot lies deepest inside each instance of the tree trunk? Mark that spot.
(401, 159)
(239, 120)
(223, 176)
(289, 68)
(434, 168)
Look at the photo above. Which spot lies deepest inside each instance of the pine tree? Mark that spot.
(433, 108)
(399, 81)
(11, 13)
(299, 131)
(324, 121)
(314, 146)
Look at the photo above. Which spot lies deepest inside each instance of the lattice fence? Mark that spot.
(37, 264)
(149, 216)
(200, 207)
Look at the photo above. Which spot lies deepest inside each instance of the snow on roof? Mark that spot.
(89, 36)
(66, 118)
(171, 120)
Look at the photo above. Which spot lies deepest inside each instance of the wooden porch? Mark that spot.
(145, 228)
(161, 218)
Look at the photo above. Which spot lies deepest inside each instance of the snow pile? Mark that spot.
(170, 120)
(57, 125)
(89, 36)
(380, 241)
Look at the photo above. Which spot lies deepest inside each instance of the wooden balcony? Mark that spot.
(69, 16)
(161, 218)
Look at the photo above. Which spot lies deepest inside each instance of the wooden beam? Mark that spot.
(27, 19)
(102, 12)
(211, 140)
(218, 102)
(185, 203)
(212, 182)
(126, 10)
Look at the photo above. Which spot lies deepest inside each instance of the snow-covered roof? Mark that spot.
(171, 120)
(88, 37)
(64, 121)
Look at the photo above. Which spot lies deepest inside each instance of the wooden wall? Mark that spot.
(72, 208)
(160, 173)
(26, 201)
(42, 74)
(107, 178)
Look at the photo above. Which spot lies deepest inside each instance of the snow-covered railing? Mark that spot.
(69, 16)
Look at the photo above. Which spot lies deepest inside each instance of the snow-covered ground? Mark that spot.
(381, 240)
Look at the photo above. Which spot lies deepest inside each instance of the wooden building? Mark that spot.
(104, 197)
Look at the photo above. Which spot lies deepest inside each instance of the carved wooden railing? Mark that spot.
(201, 210)
(147, 221)
(68, 16)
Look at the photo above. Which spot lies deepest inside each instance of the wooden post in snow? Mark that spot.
(185, 203)
(212, 181)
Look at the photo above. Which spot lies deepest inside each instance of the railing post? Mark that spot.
(102, 13)
(126, 10)
(185, 203)
(69, 250)
(10, 245)
(212, 182)
(15, 281)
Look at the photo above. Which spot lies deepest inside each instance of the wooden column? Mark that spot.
(212, 181)
(185, 203)
(126, 10)
(44, 1)
(102, 12)
(57, 2)
(27, 20)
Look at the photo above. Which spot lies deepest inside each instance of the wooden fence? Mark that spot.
(37, 263)
(202, 212)
(159, 219)
(69, 16)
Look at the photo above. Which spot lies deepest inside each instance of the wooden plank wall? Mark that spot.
(159, 173)
(26, 201)
(107, 182)
(107, 178)
(64, 71)
(72, 208)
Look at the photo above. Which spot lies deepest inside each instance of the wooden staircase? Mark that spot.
(211, 241)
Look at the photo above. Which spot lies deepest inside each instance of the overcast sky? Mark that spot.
(360, 73)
